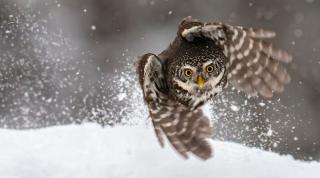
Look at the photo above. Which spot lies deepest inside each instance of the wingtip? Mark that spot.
(289, 58)
(188, 18)
(205, 157)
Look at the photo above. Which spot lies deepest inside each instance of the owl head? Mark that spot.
(197, 77)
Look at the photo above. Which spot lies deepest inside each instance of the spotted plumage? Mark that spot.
(197, 65)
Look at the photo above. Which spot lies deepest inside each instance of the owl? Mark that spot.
(200, 63)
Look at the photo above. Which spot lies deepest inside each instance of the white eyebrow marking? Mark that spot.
(189, 67)
(206, 64)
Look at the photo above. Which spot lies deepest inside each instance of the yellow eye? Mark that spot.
(188, 72)
(209, 68)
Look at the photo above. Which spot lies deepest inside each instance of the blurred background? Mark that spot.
(65, 62)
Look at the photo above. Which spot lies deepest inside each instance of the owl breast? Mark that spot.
(195, 54)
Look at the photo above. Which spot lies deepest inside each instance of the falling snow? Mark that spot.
(234, 108)
(262, 104)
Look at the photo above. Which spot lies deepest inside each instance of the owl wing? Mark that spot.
(186, 130)
(254, 65)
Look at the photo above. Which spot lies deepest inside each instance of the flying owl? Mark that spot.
(198, 64)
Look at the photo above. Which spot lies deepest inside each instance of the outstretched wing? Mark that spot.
(186, 130)
(254, 65)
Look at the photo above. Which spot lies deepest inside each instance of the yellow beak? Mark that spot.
(200, 81)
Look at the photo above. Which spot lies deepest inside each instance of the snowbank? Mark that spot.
(89, 151)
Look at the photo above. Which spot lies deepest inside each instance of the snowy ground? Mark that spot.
(90, 151)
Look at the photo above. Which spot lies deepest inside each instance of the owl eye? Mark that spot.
(209, 68)
(188, 72)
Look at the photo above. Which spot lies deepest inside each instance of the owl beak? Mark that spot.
(200, 81)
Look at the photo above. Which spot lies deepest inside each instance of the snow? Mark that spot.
(262, 104)
(235, 108)
(131, 151)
